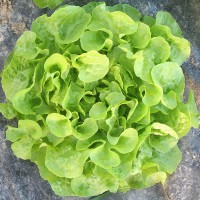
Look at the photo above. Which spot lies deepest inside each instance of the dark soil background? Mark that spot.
(20, 180)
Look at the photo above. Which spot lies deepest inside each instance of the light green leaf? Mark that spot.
(16, 76)
(152, 94)
(92, 66)
(59, 125)
(180, 50)
(14, 134)
(96, 40)
(150, 21)
(115, 98)
(57, 63)
(102, 19)
(192, 109)
(72, 98)
(162, 143)
(104, 157)
(128, 9)
(48, 3)
(88, 186)
(22, 148)
(141, 37)
(26, 46)
(169, 161)
(159, 49)
(165, 18)
(163, 130)
(98, 111)
(62, 187)
(169, 100)
(63, 159)
(86, 130)
(66, 28)
(169, 76)
(7, 110)
(127, 141)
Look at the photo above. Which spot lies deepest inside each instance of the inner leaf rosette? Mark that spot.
(97, 92)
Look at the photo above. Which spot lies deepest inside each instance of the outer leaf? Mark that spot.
(169, 76)
(129, 10)
(62, 187)
(165, 18)
(88, 186)
(67, 28)
(48, 3)
(141, 37)
(101, 19)
(169, 161)
(7, 110)
(22, 148)
(63, 159)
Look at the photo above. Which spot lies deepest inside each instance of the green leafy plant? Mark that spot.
(48, 3)
(97, 92)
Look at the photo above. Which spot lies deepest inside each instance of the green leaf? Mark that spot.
(92, 66)
(143, 65)
(150, 21)
(98, 111)
(86, 130)
(169, 161)
(96, 40)
(163, 130)
(128, 9)
(102, 19)
(66, 28)
(14, 134)
(193, 111)
(108, 179)
(62, 187)
(95, 140)
(7, 110)
(22, 148)
(104, 157)
(48, 3)
(16, 76)
(57, 63)
(98, 95)
(87, 186)
(162, 143)
(59, 125)
(26, 46)
(90, 6)
(180, 50)
(63, 159)
(115, 98)
(169, 76)
(169, 100)
(72, 98)
(165, 18)
(127, 141)
(139, 112)
(141, 37)
(152, 94)
(159, 49)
